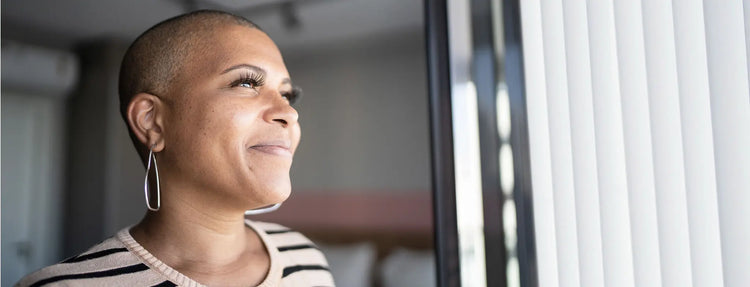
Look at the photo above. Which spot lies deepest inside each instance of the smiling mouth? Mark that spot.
(279, 150)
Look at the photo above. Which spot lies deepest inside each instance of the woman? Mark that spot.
(208, 95)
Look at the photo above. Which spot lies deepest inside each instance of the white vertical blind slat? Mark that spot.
(539, 145)
(639, 155)
(639, 123)
(697, 138)
(746, 6)
(730, 115)
(583, 143)
(610, 149)
(666, 134)
(559, 134)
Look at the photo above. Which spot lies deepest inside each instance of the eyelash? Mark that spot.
(256, 80)
(293, 95)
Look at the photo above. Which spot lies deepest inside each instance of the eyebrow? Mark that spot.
(256, 69)
(244, 66)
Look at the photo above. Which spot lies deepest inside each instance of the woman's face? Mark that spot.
(230, 131)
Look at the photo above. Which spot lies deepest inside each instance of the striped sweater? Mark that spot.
(121, 261)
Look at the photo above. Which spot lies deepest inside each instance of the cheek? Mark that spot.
(241, 119)
(202, 125)
(213, 132)
(241, 126)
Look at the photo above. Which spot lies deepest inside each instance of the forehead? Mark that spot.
(230, 45)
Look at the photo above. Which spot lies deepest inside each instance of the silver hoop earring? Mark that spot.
(263, 209)
(145, 181)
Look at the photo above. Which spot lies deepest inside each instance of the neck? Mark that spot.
(195, 236)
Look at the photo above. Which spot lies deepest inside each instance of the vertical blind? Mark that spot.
(639, 135)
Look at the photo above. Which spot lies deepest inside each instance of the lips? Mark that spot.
(274, 147)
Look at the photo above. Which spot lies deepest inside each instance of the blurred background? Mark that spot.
(361, 176)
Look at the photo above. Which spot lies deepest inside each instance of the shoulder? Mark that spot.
(282, 237)
(108, 260)
(301, 259)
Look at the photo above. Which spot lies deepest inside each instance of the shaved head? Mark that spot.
(155, 59)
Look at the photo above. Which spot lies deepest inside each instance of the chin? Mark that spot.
(274, 193)
(281, 195)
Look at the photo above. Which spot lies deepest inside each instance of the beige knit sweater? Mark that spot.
(121, 261)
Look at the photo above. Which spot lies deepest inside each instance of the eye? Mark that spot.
(293, 95)
(249, 80)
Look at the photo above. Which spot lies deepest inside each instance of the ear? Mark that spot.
(145, 118)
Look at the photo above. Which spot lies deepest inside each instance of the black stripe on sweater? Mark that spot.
(98, 274)
(269, 232)
(165, 284)
(93, 255)
(296, 247)
(291, 269)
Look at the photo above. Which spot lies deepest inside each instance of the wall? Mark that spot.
(102, 187)
(35, 84)
(363, 114)
(32, 181)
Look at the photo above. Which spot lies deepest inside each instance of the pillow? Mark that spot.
(352, 264)
(404, 267)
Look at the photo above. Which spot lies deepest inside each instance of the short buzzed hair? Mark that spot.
(152, 63)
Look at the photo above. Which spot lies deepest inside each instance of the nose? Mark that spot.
(281, 112)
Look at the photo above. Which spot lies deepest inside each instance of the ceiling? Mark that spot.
(63, 24)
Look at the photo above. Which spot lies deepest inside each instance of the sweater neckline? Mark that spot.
(273, 277)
